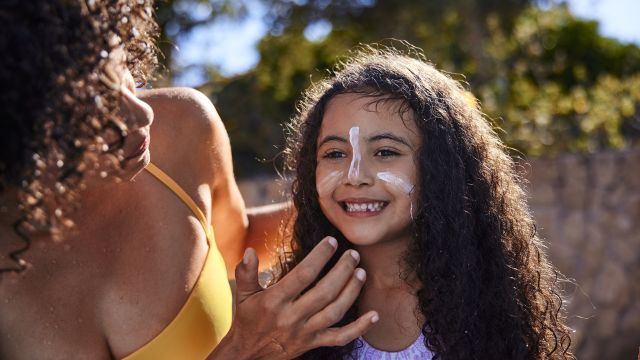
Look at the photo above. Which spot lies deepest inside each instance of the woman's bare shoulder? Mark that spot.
(187, 134)
(185, 107)
(184, 119)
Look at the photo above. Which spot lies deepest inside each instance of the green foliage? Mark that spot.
(561, 86)
(546, 78)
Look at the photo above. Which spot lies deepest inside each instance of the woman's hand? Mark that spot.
(279, 323)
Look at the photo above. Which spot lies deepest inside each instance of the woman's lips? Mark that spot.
(144, 145)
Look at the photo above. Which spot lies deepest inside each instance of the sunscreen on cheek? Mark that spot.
(327, 184)
(396, 181)
(354, 168)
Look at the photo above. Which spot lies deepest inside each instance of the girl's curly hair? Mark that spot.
(487, 288)
(58, 112)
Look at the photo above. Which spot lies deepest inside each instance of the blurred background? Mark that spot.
(560, 78)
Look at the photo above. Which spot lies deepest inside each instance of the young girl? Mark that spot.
(393, 159)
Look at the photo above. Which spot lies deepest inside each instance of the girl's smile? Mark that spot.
(366, 168)
(363, 207)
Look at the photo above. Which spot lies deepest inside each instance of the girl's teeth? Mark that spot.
(369, 207)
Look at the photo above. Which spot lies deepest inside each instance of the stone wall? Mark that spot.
(587, 208)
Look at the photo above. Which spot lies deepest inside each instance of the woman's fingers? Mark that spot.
(298, 279)
(344, 335)
(334, 312)
(329, 287)
(278, 316)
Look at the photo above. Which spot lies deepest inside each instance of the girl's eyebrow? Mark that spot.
(390, 136)
(377, 137)
(328, 138)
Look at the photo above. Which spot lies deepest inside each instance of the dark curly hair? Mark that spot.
(487, 288)
(58, 112)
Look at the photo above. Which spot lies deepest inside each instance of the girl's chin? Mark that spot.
(361, 239)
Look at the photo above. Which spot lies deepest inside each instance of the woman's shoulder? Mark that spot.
(187, 130)
(182, 108)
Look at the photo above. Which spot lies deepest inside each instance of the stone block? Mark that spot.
(611, 286)
(607, 323)
(574, 179)
(542, 180)
(590, 349)
(573, 229)
(546, 219)
(629, 171)
(630, 321)
(541, 194)
(626, 250)
(604, 168)
(617, 195)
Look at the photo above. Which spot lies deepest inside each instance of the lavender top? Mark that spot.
(415, 351)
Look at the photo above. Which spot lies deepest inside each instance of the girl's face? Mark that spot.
(366, 174)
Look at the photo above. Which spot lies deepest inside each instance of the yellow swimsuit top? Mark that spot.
(205, 318)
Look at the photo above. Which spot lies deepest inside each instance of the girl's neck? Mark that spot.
(389, 289)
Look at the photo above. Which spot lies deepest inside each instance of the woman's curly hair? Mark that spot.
(487, 288)
(58, 112)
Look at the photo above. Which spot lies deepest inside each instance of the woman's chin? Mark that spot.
(133, 167)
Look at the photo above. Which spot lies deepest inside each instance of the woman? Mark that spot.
(105, 254)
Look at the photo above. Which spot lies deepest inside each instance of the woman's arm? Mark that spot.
(267, 231)
(235, 227)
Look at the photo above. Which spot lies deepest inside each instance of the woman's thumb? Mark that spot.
(247, 276)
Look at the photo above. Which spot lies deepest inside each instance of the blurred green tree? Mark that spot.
(545, 77)
(562, 87)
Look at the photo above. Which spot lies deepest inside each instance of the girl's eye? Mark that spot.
(334, 154)
(386, 153)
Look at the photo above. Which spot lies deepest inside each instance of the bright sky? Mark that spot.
(231, 46)
(617, 18)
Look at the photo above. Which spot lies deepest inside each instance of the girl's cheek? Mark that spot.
(326, 184)
(396, 181)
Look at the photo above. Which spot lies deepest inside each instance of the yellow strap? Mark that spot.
(186, 199)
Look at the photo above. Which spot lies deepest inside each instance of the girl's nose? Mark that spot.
(359, 172)
(357, 169)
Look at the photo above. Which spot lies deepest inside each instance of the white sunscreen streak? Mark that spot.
(354, 168)
(395, 180)
(327, 184)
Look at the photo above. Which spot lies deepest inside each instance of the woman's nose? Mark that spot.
(139, 113)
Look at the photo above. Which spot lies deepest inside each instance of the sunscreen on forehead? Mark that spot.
(396, 181)
(354, 168)
(328, 183)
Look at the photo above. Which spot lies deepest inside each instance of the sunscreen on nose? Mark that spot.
(396, 181)
(356, 157)
(327, 184)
